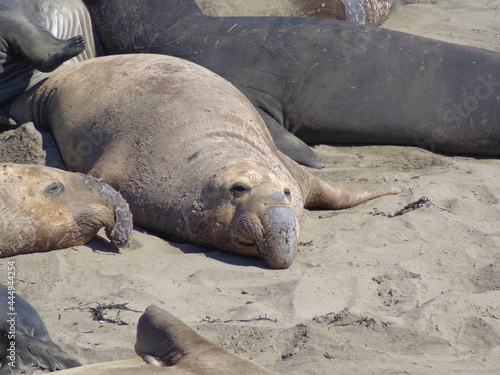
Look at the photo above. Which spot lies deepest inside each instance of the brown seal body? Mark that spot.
(168, 346)
(186, 149)
(43, 208)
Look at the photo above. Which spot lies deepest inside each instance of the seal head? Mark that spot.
(248, 209)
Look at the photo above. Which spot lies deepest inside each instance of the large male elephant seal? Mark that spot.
(165, 345)
(326, 81)
(25, 344)
(36, 37)
(43, 208)
(187, 151)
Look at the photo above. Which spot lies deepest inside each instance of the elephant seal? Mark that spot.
(25, 343)
(36, 37)
(187, 151)
(326, 81)
(44, 208)
(165, 345)
(369, 12)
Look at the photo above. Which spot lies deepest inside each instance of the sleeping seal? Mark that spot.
(187, 151)
(43, 208)
(326, 81)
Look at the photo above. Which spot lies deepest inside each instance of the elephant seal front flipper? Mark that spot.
(290, 145)
(33, 346)
(6, 120)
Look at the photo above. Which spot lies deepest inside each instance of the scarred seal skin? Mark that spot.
(323, 80)
(186, 149)
(43, 208)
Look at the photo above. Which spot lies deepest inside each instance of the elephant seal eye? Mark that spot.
(287, 192)
(55, 189)
(238, 189)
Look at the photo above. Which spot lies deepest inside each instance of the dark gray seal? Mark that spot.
(36, 37)
(25, 344)
(326, 81)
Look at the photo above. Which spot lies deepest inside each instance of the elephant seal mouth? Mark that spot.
(272, 236)
(243, 243)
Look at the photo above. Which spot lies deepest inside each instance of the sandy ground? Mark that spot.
(368, 294)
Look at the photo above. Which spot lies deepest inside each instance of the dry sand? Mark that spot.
(368, 294)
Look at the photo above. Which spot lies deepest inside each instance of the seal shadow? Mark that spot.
(100, 244)
(187, 248)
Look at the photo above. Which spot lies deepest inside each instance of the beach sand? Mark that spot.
(368, 294)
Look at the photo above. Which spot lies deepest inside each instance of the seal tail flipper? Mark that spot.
(164, 340)
(32, 353)
(323, 195)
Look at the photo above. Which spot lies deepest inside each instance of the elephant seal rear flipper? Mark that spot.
(36, 37)
(33, 346)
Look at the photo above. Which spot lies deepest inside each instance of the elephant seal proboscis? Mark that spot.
(326, 81)
(43, 208)
(186, 149)
(36, 37)
(25, 344)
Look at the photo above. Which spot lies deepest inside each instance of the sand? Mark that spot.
(368, 294)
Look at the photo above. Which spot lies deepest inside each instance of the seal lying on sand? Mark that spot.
(168, 346)
(43, 208)
(24, 340)
(38, 36)
(369, 12)
(187, 151)
(326, 81)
